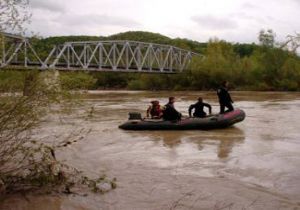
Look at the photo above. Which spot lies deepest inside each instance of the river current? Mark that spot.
(252, 165)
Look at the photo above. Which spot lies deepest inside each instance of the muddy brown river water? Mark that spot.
(253, 165)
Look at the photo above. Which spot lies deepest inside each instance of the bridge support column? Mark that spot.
(35, 81)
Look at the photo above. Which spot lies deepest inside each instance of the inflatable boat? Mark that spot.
(136, 122)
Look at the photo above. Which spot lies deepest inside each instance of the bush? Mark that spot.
(27, 163)
(288, 85)
(77, 80)
(112, 79)
(11, 80)
(135, 85)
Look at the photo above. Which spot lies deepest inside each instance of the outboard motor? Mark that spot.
(135, 116)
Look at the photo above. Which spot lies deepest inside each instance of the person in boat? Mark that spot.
(169, 112)
(199, 106)
(225, 98)
(154, 110)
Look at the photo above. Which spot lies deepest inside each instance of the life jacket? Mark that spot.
(155, 111)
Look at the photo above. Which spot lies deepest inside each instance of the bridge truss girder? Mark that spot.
(118, 56)
(17, 50)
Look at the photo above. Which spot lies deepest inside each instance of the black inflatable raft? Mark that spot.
(211, 122)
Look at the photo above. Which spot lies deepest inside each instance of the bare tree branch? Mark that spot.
(292, 43)
(13, 15)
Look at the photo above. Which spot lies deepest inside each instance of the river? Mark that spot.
(253, 165)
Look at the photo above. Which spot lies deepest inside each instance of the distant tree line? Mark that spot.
(264, 66)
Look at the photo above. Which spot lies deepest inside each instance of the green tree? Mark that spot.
(290, 74)
(220, 63)
(267, 38)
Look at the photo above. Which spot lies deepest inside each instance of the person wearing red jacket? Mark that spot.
(155, 110)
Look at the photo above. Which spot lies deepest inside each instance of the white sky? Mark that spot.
(231, 20)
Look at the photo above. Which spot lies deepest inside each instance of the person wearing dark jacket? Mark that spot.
(225, 98)
(169, 112)
(199, 106)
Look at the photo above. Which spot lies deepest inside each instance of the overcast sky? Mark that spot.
(231, 20)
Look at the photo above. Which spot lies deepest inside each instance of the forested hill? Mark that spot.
(45, 44)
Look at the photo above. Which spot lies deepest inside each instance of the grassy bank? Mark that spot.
(13, 81)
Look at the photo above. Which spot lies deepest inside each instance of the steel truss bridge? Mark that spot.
(119, 56)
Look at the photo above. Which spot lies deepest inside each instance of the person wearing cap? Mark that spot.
(154, 110)
(169, 112)
(199, 109)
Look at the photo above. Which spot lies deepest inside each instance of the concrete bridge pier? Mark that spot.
(41, 80)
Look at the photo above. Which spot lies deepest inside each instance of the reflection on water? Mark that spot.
(253, 165)
(224, 140)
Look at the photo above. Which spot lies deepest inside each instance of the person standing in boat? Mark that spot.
(169, 111)
(154, 110)
(199, 106)
(225, 98)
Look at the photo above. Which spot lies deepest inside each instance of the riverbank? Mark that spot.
(193, 80)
